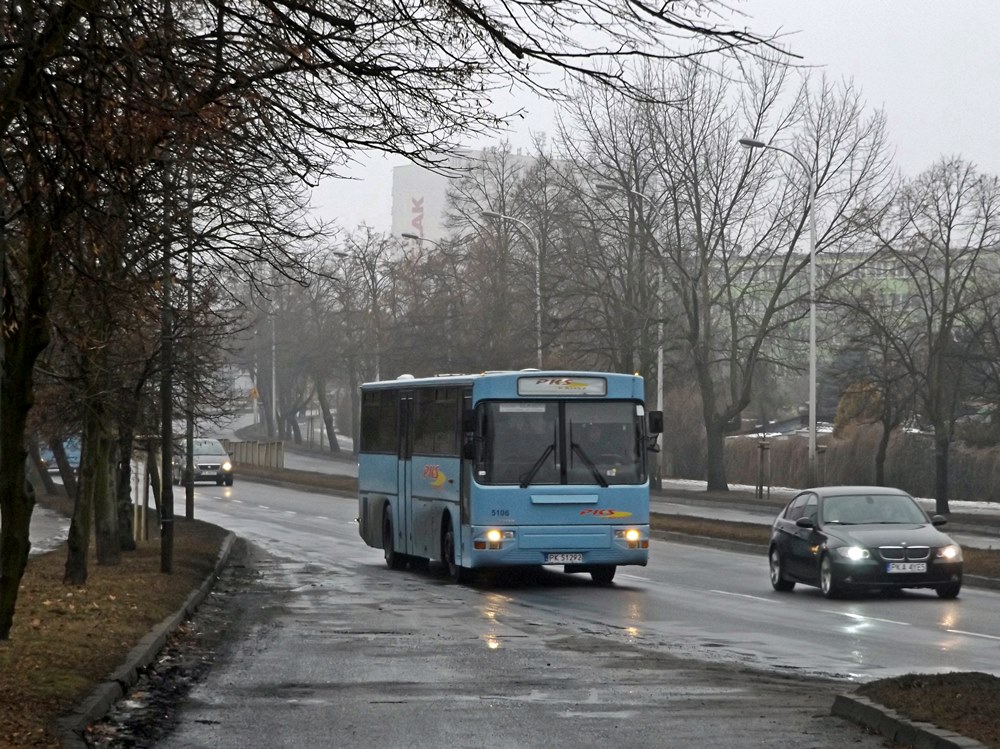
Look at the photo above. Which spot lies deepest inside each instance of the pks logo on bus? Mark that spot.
(435, 475)
(606, 513)
(564, 382)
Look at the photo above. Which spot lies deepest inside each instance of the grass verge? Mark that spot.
(67, 639)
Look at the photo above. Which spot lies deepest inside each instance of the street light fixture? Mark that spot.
(607, 187)
(538, 276)
(751, 143)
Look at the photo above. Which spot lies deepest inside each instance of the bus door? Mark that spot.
(466, 463)
(401, 519)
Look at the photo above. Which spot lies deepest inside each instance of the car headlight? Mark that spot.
(854, 553)
(227, 466)
(950, 553)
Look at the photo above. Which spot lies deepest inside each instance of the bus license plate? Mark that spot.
(563, 558)
(906, 567)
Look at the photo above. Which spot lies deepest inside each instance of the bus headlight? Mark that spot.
(493, 539)
(632, 537)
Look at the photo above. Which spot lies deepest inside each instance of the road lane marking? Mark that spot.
(972, 634)
(863, 618)
(743, 595)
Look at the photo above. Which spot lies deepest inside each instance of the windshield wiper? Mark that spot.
(526, 479)
(590, 464)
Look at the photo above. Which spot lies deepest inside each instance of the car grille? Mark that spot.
(208, 466)
(904, 553)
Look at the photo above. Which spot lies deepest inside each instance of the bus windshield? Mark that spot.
(562, 442)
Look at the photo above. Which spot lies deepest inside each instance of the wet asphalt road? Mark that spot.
(325, 647)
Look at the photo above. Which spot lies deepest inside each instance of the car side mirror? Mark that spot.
(805, 523)
(938, 520)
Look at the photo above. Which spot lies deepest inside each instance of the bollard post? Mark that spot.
(762, 448)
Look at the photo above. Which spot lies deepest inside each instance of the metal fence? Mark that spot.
(254, 453)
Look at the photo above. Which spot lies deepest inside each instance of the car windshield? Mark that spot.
(208, 447)
(864, 509)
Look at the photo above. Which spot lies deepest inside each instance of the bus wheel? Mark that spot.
(393, 560)
(603, 574)
(456, 573)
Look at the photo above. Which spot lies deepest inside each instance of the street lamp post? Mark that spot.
(751, 143)
(417, 238)
(538, 276)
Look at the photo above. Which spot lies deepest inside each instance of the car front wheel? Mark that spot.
(950, 590)
(778, 580)
(828, 582)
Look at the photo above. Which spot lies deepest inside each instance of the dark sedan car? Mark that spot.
(844, 538)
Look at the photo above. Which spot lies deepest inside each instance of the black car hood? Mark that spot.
(898, 534)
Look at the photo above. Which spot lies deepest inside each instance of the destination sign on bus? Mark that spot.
(562, 386)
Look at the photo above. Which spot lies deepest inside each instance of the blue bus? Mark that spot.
(505, 469)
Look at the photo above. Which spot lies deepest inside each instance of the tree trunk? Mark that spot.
(355, 409)
(324, 406)
(66, 472)
(153, 468)
(715, 455)
(123, 491)
(40, 469)
(881, 452)
(80, 527)
(105, 509)
(26, 335)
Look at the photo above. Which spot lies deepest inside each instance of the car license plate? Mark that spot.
(906, 567)
(563, 558)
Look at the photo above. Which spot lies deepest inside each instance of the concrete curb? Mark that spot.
(890, 724)
(116, 686)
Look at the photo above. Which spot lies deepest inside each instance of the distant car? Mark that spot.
(71, 446)
(211, 462)
(849, 538)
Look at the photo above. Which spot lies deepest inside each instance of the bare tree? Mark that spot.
(878, 338)
(729, 228)
(297, 85)
(943, 233)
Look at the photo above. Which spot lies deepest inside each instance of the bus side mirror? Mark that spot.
(469, 420)
(656, 422)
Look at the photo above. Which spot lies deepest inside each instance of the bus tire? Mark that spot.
(393, 560)
(456, 573)
(603, 574)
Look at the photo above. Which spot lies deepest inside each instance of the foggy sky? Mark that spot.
(931, 65)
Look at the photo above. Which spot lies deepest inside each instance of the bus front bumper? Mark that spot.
(500, 546)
